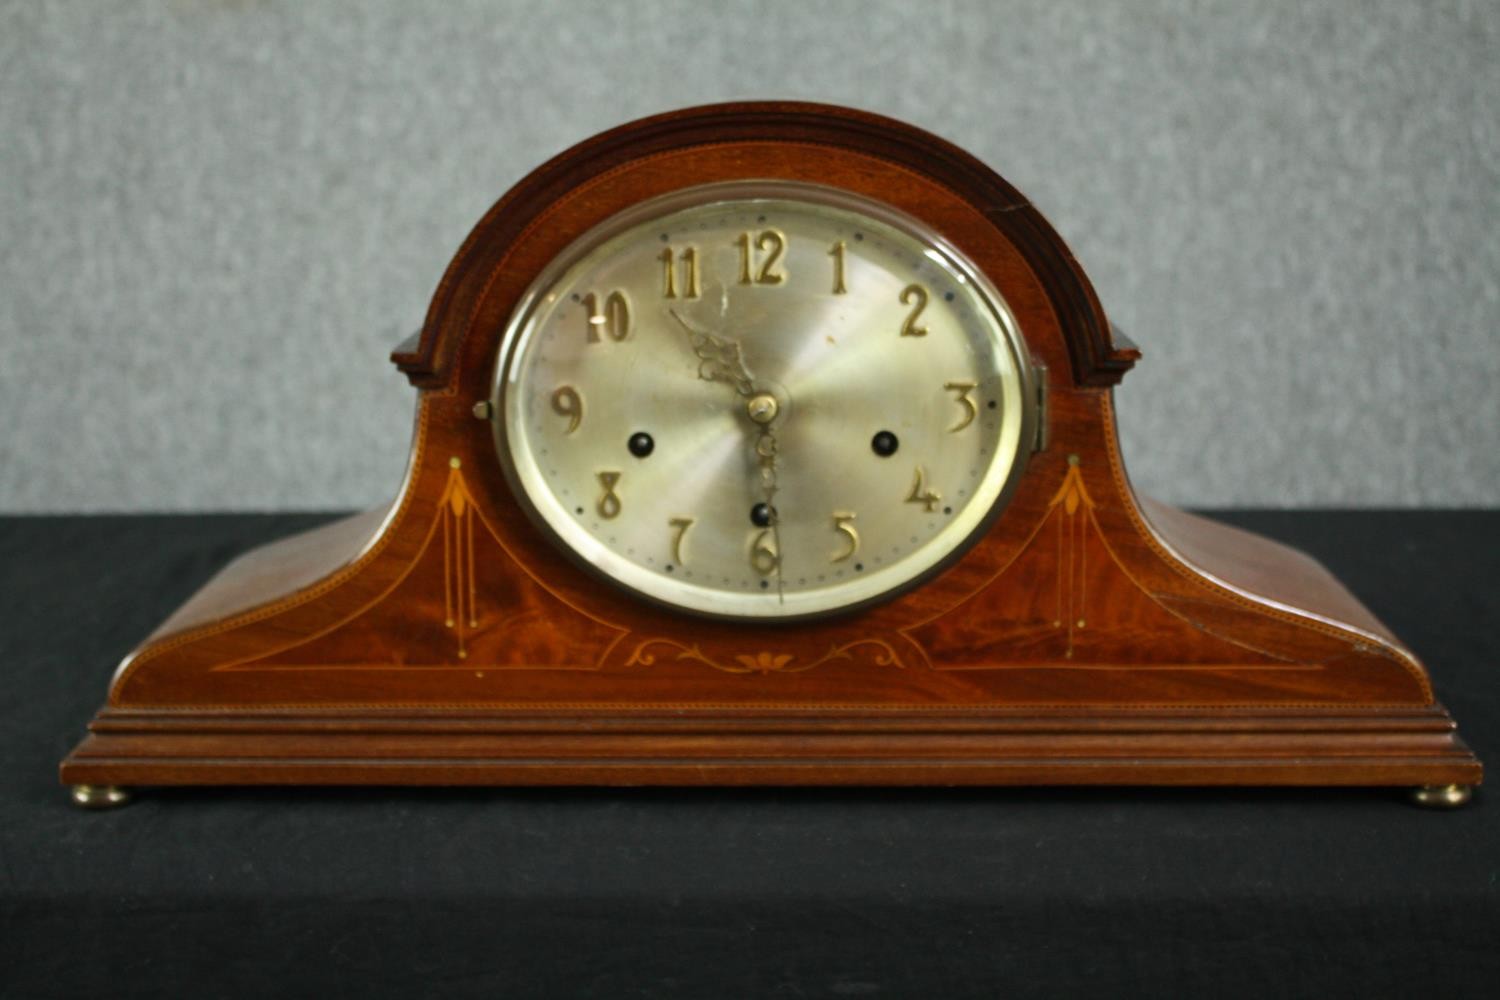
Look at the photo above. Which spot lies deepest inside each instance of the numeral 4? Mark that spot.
(929, 499)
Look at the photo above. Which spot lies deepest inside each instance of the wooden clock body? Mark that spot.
(1090, 637)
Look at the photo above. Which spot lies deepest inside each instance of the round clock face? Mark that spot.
(763, 400)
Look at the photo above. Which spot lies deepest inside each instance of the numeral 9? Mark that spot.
(567, 403)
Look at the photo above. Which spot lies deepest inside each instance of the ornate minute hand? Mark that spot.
(721, 359)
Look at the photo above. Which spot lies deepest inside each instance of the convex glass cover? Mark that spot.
(763, 400)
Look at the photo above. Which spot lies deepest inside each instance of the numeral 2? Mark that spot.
(914, 294)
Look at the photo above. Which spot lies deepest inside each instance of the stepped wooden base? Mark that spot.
(1086, 636)
(1410, 748)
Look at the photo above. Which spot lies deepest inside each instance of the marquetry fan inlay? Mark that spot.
(1071, 633)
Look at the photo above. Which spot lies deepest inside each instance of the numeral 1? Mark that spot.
(688, 262)
(837, 253)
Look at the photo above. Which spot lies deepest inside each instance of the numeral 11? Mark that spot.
(688, 265)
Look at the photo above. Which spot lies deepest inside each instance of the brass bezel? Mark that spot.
(521, 480)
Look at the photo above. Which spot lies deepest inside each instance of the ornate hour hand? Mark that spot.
(720, 359)
(763, 410)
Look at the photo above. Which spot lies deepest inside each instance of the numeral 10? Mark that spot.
(613, 319)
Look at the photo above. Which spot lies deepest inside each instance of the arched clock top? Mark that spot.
(694, 498)
(796, 139)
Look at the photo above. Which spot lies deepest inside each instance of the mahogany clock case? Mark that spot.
(1089, 637)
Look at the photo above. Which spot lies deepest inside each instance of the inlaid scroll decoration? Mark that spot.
(459, 602)
(456, 514)
(1067, 601)
(881, 653)
(1071, 510)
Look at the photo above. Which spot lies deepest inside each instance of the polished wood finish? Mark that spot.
(1087, 638)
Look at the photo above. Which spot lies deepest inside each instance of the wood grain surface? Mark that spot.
(1087, 637)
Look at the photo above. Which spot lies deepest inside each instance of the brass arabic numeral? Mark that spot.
(764, 558)
(687, 263)
(929, 499)
(971, 410)
(769, 242)
(681, 524)
(917, 294)
(744, 245)
(613, 319)
(566, 402)
(609, 502)
(669, 273)
(837, 253)
(843, 523)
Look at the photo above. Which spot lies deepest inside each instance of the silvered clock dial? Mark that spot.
(763, 400)
(737, 402)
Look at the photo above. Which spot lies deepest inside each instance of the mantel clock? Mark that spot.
(769, 444)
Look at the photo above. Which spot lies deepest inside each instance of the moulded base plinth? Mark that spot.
(1107, 747)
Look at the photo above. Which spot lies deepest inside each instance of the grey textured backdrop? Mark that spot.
(218, 218)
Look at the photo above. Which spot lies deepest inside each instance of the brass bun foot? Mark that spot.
(1442, 796)
(100, 796)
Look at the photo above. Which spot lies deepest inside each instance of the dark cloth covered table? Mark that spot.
(725, 893)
